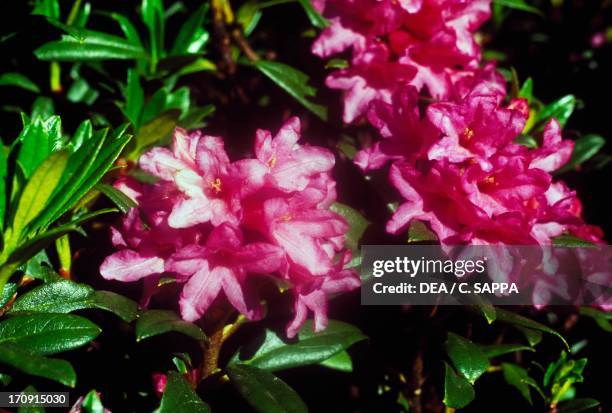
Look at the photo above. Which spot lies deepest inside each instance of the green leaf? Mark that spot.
(154, 322)
(293, 82)
(156, 130)
(18, 80)
(466, 356)
(92, 403)
(179, 397)
(495, 350)
(49, 8)
(66, 296)
(71, 51)
(458, 392)
(577, 405)
(5, 379)
(3, 192)
(42, 108)
(37, 143)
(357, 226)
(602, 318)
(128, 29)
(7, 293)
(83, 134)
(340, 361)
(153, 17)
(38, 190)
(526, 91)
(248, 15)
(191, 36)
(117, 304)
(134, 98)
(265, 392)
(57, 297)
(121, 200)
(29, 408)
(571, 241)
(309, 348)
(314, 16)
(519, 320)
(584, 149)
(517, 377)
(518, 5)
(45, 334)
(419, 232)
(16, 356)
(560, 109)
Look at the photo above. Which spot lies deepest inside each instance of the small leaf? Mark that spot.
(517, 377)
(45, 334)
(526, 91)
(310, 348)
(518, 5)
(357, 226)
(18, 80)
(248, 15)
(560, 109)
(314, 16)
(121, 200)
(179, 397)
(154, 322)
(117, 304)
(458, 392)
(293, 82)
(16, 356)
(584, 149)
(92, 403)
(571, 241)
(265, 392)
(418, 232)
(134, 98)
(495, 350)
(577, 405)
(466, 356)
(340, 361)
(38, 190)
(191, 36)
(513, 318)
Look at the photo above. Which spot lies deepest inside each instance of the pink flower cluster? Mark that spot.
(457, 166)
(215, 225)
(425, 43)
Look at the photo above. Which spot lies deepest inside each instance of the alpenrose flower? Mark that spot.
(424, 43)
(215, 225)
(459, 169)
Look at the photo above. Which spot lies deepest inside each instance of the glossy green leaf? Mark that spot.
(71, 51)
(134, 98)
(495, 350)
(577, 405)
(293, 82)
(518, 5)
(121, 200)
(16, 356)
(83, 134)
(57, 297)
(7, 293)
(152, 12)
(128, 29)
(117, 304)
(519, 320)
(3, 187)
(156, 130)
(517, 377)
(18, 80)
(526, 91)
(458, 392)
(48, 333)
(36, 144)
(309, 348)
(155, 322)
(560, 109)
(341, 361)
(265, 392)
(38, 190)
(179, 397)
(466, 356)
(49, 8)
(357, 226)
(584, 149)
(92, 403)
(192, 36)
(314, 16)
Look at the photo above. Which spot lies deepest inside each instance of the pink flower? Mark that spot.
(215, 226)
(223, 264)
(424, 43)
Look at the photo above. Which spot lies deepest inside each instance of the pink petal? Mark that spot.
(128, 265)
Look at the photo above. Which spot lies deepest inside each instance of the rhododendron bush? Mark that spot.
(187, 186)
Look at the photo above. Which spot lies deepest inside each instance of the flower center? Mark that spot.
(272, 162)
(285, 218)
(215, 185)
(468, 134)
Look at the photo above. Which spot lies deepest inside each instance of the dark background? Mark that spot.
(553, 49)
